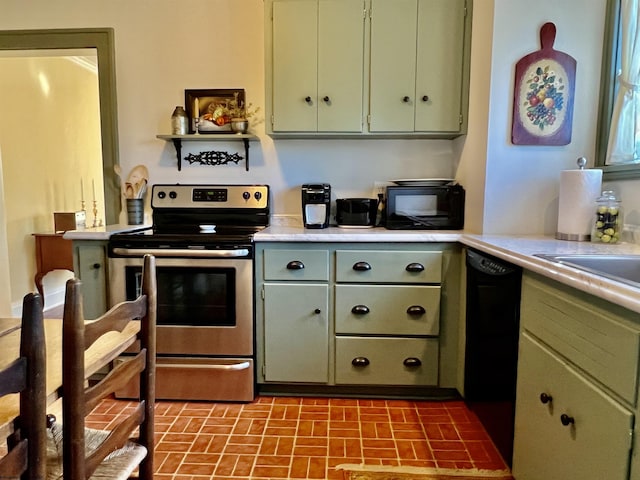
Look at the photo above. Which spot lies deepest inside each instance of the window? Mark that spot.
(610, 87)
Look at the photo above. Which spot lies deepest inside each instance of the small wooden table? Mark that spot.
(52, 253)
(109, 347)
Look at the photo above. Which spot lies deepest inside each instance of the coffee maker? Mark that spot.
(316, 202)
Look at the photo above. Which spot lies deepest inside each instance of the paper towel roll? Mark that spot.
(579, 190)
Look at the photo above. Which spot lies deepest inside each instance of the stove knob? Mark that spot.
(172, 194)
(257, 195)
(246, 195)
(161, 194)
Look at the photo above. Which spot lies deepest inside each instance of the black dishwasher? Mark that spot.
(491, 353)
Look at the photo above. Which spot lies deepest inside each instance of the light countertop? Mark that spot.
(101, 233)
(519, 250)
(338, 234)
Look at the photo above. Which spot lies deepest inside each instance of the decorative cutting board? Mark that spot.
(543, 94)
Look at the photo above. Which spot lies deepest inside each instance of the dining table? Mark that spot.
(106, 349)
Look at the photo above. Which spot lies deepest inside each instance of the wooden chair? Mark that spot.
(114, 454)
(27, 376)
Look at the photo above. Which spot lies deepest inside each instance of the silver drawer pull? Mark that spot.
(181, 252)
(360, 310)
(416, 310)
(233, 366)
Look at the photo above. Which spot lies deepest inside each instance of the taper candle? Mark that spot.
(93, 184)
(196, 109)
(81, 190)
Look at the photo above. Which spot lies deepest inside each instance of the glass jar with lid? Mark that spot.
(607, 226)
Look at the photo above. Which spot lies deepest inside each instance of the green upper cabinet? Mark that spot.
(317, 53)
(367, 67)
(417, 69)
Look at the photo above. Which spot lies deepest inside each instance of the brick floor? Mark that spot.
(305, 438)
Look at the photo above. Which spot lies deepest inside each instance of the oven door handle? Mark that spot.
(182, 252)
(233, 366)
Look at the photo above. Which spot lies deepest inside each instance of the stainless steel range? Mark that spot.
(202, 237)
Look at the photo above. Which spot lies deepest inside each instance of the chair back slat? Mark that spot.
(79, 399)
(15, 463)
(115, 380)
(13, 379)
(115, 320)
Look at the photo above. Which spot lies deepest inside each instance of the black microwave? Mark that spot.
(438, 207)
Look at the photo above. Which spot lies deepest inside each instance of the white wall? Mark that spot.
(471, 170)
(165, 46)
(521, 192)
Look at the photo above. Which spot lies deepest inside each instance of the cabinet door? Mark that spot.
(340, 65)
(91, 267)
(296, 331)
(318, 65)
(596, 446)
(295, 46)
(416, 70)
(393, 65)
(439, 65)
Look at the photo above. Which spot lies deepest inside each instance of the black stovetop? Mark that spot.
(187, 236)
(209, 216)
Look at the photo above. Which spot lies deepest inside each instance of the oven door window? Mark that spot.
(191, 296)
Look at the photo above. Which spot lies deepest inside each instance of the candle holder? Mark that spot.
(95, 213)
(83, 209)
(196, 121)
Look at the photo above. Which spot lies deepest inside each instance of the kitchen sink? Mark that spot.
(621, 268)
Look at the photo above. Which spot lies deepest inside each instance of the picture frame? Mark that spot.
(210, 103)
(543, 94)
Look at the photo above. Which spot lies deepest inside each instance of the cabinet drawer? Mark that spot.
(387, 309)
(591, 334)
(189, 378)
(383, 361)
(368, 266)
(296, 265)
(595, 446)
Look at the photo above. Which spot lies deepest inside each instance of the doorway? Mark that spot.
(50, 138)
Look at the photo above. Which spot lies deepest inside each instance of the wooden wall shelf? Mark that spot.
(217, 137)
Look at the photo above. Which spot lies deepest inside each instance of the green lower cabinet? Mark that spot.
(576, 396)
(90, 266)
(296, 332)
(386, 361)
(566, 427)
(361, 315)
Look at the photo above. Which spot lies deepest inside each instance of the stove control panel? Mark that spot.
(210, 196)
